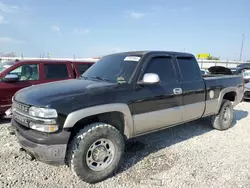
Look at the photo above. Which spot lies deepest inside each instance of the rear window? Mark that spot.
(189, 69)
(56, 71)
(83, 67)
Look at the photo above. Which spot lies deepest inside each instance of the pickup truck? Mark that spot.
(16, 75)
(85, 122)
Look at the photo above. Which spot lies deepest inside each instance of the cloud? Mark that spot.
(2, 20)
(81, 31)
(10, 40)
(156, 7)
(136, 15)
(186, 9)
(8, 8)
(56, 29)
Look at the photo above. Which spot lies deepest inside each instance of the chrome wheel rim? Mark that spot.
(100, 154)
(226, 115)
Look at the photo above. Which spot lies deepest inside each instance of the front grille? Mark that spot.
(20, 107)
(20, 119)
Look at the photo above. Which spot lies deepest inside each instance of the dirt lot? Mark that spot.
(189, 155)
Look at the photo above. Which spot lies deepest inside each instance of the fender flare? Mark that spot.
(75, 116)
(223, 93)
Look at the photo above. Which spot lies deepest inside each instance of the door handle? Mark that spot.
(177, 91)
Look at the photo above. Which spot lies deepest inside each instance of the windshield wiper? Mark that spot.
(95, 78)
(100, 78)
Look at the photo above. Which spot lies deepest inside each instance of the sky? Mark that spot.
(81, 28)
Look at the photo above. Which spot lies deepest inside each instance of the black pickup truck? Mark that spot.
(85, 122)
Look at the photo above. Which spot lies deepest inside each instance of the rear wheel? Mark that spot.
(96, 152)
(223, 120)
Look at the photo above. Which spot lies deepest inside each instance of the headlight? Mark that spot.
(43, 128)
(42, 112)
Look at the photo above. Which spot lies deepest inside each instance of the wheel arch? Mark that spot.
(117, 114)
(229, 93)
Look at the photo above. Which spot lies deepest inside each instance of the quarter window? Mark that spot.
(83, 67)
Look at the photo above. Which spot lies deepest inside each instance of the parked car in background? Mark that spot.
(244, 66)
(204, 72)
(16, 75)
(220, 70)
(236, 70)
(246, 76)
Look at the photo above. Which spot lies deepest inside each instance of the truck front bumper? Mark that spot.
(42, 148)
(50, 154)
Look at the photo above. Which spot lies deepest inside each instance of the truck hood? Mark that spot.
(44, 94)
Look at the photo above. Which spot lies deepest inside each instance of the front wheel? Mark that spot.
(224, 119)
(96, 152)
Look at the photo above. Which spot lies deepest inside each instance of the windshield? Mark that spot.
(4, 66)
(115, 68)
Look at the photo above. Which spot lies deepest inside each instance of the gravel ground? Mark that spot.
(189, 155)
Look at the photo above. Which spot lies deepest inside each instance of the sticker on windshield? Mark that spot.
(132, 58)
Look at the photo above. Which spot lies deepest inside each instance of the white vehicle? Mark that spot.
(246, 75)
(204, 72)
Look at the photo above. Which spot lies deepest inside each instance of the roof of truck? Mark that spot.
(149, 52)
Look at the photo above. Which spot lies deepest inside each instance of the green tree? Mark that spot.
(213, 58)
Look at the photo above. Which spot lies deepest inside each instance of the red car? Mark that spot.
(17, 75)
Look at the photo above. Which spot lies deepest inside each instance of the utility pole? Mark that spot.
(242, 42)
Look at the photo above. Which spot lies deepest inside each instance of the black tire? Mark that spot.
(218, 121)
(81, 143)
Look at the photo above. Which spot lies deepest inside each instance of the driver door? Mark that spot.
(158, 105)
(28, 75)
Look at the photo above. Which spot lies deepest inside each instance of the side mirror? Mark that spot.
(11, 78)
(149, 79)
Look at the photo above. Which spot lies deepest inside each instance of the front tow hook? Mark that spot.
(27, 154)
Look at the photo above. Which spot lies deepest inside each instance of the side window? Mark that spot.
(83, 67)
(163, 66)
(56, 71)
(189, 69)
(26, 72)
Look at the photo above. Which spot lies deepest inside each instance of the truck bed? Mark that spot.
(219, 82)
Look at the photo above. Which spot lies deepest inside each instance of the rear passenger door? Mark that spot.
(57, 71)
(158, 105)
(193, 88)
